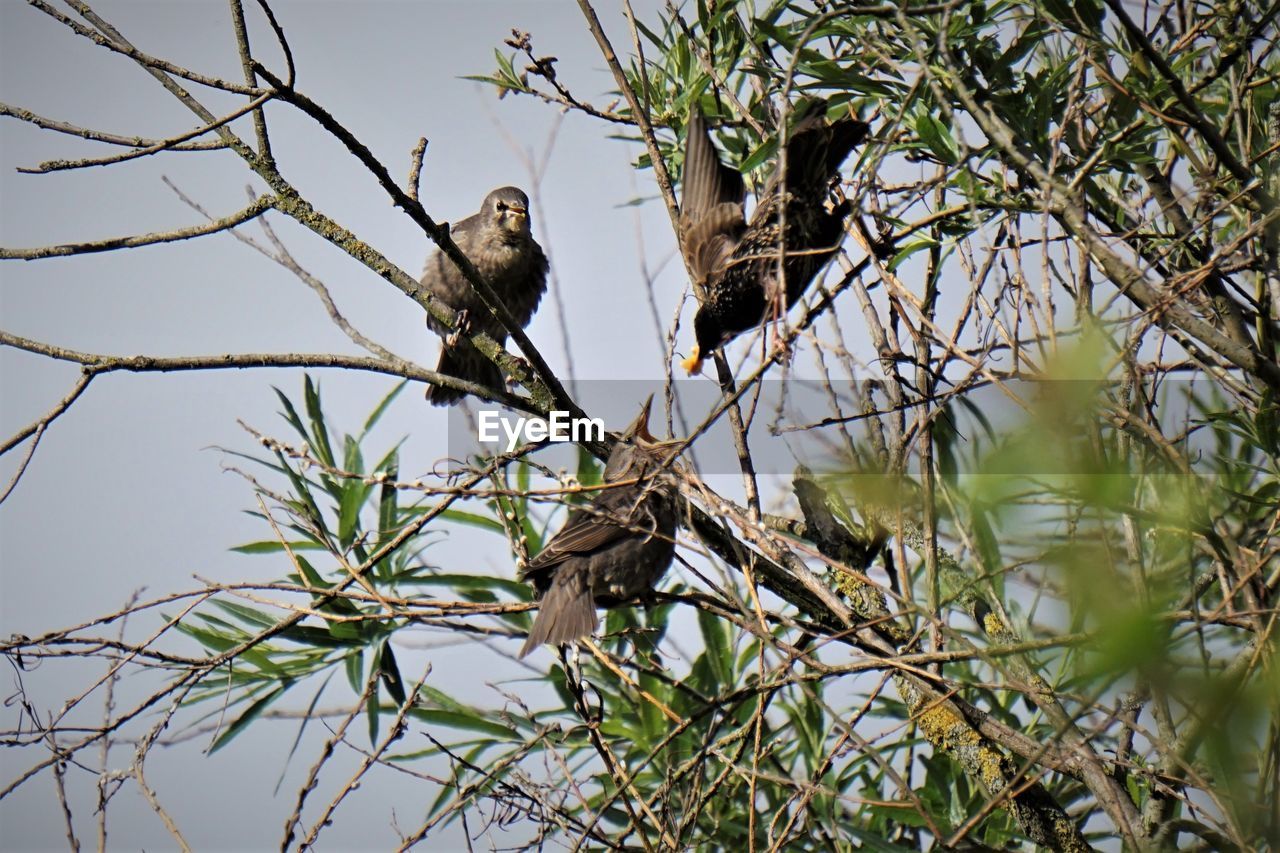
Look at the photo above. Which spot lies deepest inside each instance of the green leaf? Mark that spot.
(319, 429)
(348, 633)
(210, 640)
(302, 727)
(310, 635)
(776, 34)
(988, 546)
(388, 508)
(473, 519)
(390, 673)
(248, 614)
(471, 583)
(372, 713)
(762, 153)
(312, 577)
(353, 495)
(938, 138)
(910, 249)
(354, 665)
(481, 78)
(381, 408)
(291, 414)
(250, 714)
(272, 546)
(464, 721)
(717, 652)
(306, 504)
(444, 700)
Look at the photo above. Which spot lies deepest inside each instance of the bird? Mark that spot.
(500, 244)
(612, 550)
(734, 261)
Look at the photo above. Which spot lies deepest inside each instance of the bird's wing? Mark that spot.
(711, 203)
(584, 533)
(590, 529)
(846, 133)
(710, 240)
(440, 276)
(707, 182)
(816, 148)
(522, 299)
(462, 230)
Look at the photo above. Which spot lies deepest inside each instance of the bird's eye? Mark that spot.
(502, 205)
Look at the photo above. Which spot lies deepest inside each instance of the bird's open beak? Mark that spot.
(639, 431)
(513, 218)
(693, 364)
(640, 426)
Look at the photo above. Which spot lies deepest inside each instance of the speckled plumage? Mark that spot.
(735, 262)
(498, 241)
(611, 551)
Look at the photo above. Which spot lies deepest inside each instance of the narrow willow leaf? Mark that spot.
(473, 519)
(381, 408)
(389, 670)
(937, 136)
(250, 714)
(466, 722)
(319, 429)
(272, 546)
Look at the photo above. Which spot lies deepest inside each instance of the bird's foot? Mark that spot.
(522, 365)
(838, 201)
(777, 321)
(883, 246)
(781, 345)
(461, 326)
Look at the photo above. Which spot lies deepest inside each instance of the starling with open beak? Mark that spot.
(612, 550)
(735, 262)
(499, 243)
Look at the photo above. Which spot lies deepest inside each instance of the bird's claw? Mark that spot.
(522, 367)
(780, 343)
(883, 246)
(461, 326)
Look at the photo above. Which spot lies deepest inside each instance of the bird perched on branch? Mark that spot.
(735, 262)
(614, 549)
(499, 243)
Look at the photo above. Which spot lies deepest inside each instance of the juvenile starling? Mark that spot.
(735, 262)
(498, 241)
(613, 550)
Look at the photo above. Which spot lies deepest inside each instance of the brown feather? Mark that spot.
(567, 612)
(735, 264)
(512, 263)
(613, 550)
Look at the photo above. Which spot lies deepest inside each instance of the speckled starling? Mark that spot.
(498, 241)
(735, 262)
(612, 550)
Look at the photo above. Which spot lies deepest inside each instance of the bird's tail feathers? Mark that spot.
(846, 134)
(568, 611)
(463, 361)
